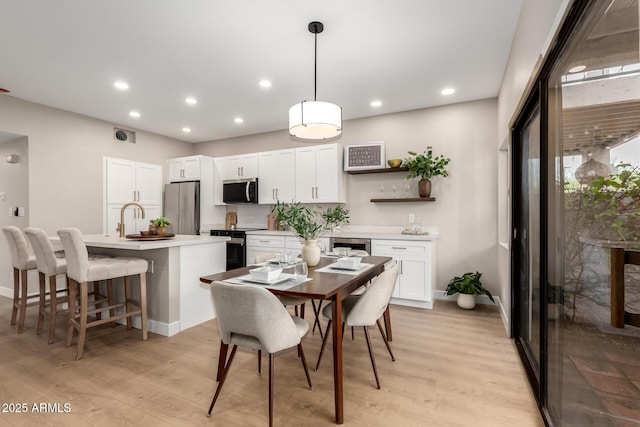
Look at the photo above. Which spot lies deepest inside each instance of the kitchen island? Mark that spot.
(176, 299)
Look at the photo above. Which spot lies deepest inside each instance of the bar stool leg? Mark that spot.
(53, 309)
(16, 295)
(110, 297)
(127, 298)
(73, 296)
(143, 305)
(82, 330)
(41, 303)
(23, 301)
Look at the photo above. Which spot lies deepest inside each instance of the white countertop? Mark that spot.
(116, 242)
(365, 232)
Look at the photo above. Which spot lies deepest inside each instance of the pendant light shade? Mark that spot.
(315, 119)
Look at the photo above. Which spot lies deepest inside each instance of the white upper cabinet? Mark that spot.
(185, 169)
(276, 178)
(129, 181)
(218, 177)
(318, 174)
(241, 166)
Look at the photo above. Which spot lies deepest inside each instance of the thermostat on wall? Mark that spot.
(364, 156)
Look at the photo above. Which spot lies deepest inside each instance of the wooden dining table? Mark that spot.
(330, 286)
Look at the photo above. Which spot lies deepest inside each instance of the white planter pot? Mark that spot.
(311, 252)
(466, 301)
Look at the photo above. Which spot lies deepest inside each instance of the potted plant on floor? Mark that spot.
(467, 287)
(425, 166)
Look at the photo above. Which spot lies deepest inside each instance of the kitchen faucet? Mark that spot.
(121, 223)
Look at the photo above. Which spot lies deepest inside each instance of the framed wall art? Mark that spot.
(370, 155)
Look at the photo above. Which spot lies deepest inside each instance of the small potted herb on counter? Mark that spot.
(159, 226)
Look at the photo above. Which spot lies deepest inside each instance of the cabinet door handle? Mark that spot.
(398, 247)
(138, 195)
(276, 194)
(400, 266)
(242, 170)
(312, 192)
(264, 241)
(273, 194)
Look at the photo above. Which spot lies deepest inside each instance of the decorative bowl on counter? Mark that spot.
(394, 163)
(265, 273)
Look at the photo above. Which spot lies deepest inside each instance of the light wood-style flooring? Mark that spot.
(452, 368)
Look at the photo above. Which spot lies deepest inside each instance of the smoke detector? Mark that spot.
(124, 135)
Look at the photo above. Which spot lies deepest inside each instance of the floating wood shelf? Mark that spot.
(383, 170)
(413, 199)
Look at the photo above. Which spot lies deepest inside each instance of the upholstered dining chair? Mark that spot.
(365, 310)
(22, 261)
(49, 267)
(81, 270)
(252, 317)
(290, 301)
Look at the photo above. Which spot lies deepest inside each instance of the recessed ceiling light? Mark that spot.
(448, 91)
(577, 68)
(191, 101)
(186, 130)
(376, 103)
(265, 83)
(238, 120)
(135, 114)
(121, 85)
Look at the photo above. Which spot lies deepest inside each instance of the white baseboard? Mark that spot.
(412, 303)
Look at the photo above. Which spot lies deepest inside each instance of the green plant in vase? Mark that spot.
(160, 224)
(335, 217)
(467, 287)
(425, 166)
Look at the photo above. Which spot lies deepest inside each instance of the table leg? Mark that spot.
(337, 358)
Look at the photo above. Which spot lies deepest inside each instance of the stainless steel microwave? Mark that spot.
(240, 191)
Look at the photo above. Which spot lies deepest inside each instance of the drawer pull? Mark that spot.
(398, 247)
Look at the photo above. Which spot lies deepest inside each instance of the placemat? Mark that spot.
(328, 269)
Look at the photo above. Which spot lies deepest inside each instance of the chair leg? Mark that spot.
(259, 362)
(324, 344)
(271, 369)
(73, 292)
(42, 302)
(316, 321)
(53, 307)
(353, 337)
(222, 357)
(304, 365)
(82, 330)
(110, 297)
(302, 311)
(23, 300)
(387, 324)
(227, 365)
(373, 361)
(16, 295)
(386, 342)
(95, 286)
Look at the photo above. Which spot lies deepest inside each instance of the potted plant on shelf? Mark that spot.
(308, 224)
(159, 226)
(467, 287)
(425, 166)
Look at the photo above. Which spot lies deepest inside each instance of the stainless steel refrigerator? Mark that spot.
(182, 206)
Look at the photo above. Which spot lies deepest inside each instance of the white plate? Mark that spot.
(279, 279)
(335, 266)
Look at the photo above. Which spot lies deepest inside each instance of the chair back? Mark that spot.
(45, 254)
(76, 254)
(253, 311)
(20, 257)
(373, 302)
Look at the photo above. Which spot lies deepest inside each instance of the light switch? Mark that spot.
(3, 196)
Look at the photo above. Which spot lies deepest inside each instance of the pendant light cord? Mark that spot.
(315, 66)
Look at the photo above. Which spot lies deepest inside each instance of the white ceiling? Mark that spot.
(68, 53)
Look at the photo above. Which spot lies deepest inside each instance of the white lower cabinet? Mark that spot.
(416, 270)
(260, 244)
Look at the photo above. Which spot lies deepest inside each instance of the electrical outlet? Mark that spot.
(3, 196)
(20, 211)
(412, 217)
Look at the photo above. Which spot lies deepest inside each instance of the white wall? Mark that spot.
(14, 182)
(537, 25)
(65, 152)
(466, 202)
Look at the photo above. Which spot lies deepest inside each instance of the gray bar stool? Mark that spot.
(81, 270)
(22, 262)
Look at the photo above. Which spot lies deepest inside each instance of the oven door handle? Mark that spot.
(236, 241)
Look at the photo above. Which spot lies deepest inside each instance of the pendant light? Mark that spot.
(315, 119)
